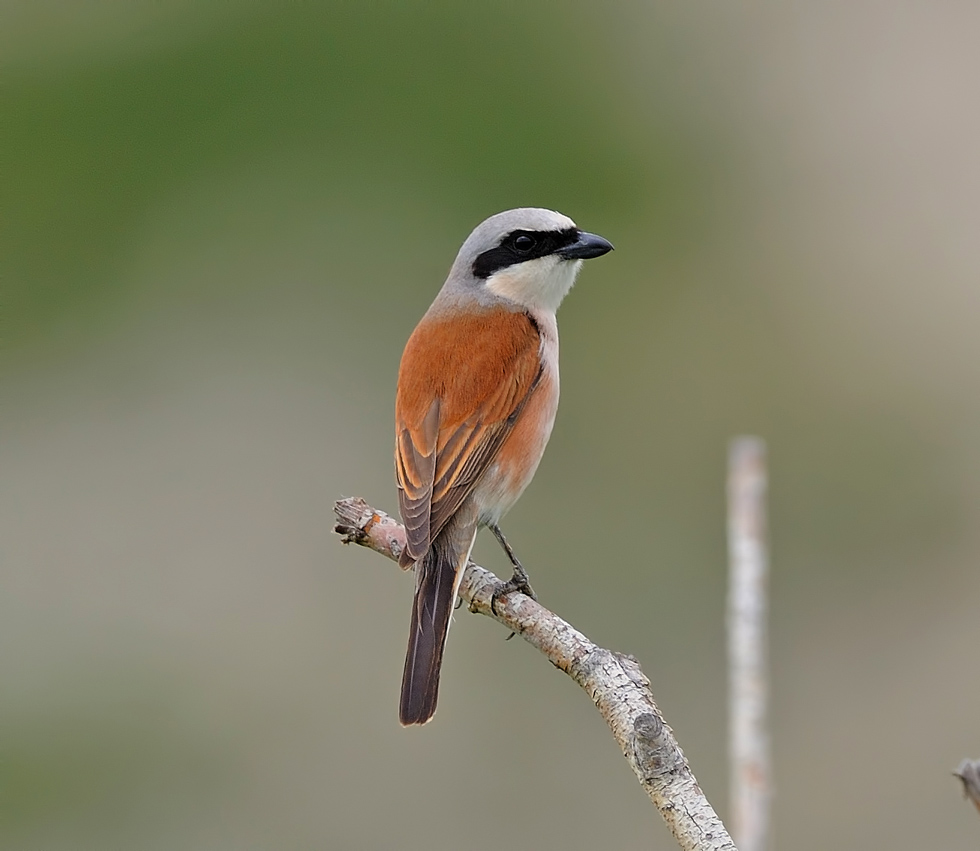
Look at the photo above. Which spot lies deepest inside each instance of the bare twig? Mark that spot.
(614, 681)
(751, 784)
(969, 774)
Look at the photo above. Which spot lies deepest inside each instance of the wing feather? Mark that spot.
(462, 386)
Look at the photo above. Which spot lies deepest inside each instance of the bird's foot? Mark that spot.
(518, 582)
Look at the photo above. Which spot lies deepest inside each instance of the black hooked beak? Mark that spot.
(585, 247)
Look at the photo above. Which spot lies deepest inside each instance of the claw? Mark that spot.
(518, 582)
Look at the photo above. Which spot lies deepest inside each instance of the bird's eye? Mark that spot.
(524, 243)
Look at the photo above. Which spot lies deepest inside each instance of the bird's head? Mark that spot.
(526, 256)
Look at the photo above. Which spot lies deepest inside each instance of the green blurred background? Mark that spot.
(221, 222)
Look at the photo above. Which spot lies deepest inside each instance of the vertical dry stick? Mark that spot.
(751, 787)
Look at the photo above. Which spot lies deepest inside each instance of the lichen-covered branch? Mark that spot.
(614, 681)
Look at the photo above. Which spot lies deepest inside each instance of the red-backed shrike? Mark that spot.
(477, 396)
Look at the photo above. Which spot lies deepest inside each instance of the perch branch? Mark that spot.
(969, 774)
(614, 681)
(748, 691)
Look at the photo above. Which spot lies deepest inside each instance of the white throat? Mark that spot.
(540, 284)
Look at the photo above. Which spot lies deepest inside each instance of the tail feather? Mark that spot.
(435, 593)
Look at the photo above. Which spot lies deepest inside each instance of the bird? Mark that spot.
(475, 405)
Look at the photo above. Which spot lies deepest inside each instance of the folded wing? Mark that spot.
(462, 386)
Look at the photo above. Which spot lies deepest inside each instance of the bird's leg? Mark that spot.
(519, 581)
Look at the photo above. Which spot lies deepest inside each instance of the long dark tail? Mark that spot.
(435, 587)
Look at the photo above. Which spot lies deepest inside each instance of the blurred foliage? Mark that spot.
(458, 99)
